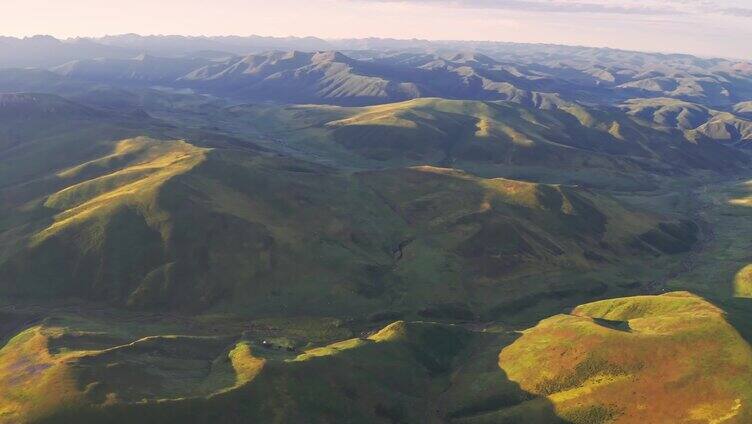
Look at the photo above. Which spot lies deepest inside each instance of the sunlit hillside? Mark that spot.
(292, 230)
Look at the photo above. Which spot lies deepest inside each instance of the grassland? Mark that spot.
(631, 359)
(720, 271)
(590, 146)
(667, 358)
(166, 224)
(222, 378)
(179, 273)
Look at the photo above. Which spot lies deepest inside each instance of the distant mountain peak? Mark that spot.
(468, 56)
(43, 37)
(330, 56)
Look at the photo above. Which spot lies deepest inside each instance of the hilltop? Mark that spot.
(635, 359)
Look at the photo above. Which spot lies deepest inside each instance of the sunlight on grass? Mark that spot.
(246, 365)
(674, 337)
(743, 282)
(135, 184)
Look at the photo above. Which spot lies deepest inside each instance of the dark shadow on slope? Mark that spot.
(738, 314)
(738, 309)
(479, 390)
(614, 325)
(12, 323)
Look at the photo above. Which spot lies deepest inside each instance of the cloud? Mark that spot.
(614, 7)
(737, 11)
(555, 6)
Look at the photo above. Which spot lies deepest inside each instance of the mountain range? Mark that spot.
(254, 229)
(331, 72)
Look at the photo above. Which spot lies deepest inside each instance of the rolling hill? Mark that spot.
(258, 229)
(694, 119)
(744, 109)
(46, 51)
(636, 359)
(163, 224)
(334, 78)
(170, 224)
(224, 378)
(142, 69)
(606, 361)
(590, 146)
(297, 77)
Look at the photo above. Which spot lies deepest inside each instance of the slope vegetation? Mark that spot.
(695, 120)
(624, 360)
(99, 377)
(550, 141)
(635, 360)
(166, 224)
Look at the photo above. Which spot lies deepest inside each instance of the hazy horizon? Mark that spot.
(717, 29)
(333, 39)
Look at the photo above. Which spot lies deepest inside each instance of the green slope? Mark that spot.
(636, 360)
(405, 372)
(695, 120)
(215, 245)
(552, 142)
(165, 224)
(621, 360)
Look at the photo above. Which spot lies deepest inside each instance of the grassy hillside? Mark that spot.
(396, 234)
(641, 359)
(512, 134)
(695, 120)
(241, 269)
(141, 69)
(607, 361)
(166, 224)
(42, 134)
(670, 113)
(594, 146)
(101, 376)
(743, 109)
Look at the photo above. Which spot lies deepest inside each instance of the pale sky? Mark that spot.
(703, 27)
